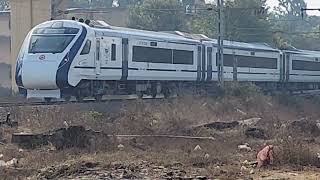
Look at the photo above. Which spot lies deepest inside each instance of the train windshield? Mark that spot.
(49, 43)
(51, 39)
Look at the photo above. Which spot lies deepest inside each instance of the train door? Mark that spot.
(111, 57)
(98, 57)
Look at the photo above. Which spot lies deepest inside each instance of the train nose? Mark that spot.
(39, 75)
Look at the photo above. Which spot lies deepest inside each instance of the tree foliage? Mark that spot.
(4, 5)
(292, 29)
(158, 15)
(102, 3)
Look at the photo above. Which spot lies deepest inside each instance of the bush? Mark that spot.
(288, 100)
(294, 152)
(243, 90)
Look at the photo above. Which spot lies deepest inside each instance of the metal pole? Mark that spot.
(220, 40)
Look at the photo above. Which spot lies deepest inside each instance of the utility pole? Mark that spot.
(308, 9)
(220, 4)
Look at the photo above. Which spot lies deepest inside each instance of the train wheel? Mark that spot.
(154, 94)
(48, 100)
(166, 92)
(98, 98)
(154, 90)
(140, 94)
(79, 98)
(67, 98)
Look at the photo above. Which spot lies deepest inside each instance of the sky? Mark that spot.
(310, 4)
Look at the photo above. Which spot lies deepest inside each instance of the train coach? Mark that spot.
(64, 58)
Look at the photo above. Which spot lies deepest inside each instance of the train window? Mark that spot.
(182, 57)
(113, 52)
(51, 30)
(305, 65)
(49, 43)
(251, 62)
(152, 55)
(86, 48)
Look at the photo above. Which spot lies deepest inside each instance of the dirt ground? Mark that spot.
(287, 122)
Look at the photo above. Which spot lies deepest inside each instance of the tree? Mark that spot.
(291, 8)
(293, 29)
(4, 5)
(245, 20)
(158, 15)
(102, 3)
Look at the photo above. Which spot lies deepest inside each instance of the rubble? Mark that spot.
(116, 170)
(255, 133)
(12, 163)
(9, 122)
(207, 156)
(2, 163)
(252, 171)
(244, 147)
(249, 122)
(305, 125)
(222, 125)
(197, 148)
(78, 136)
(120, 147)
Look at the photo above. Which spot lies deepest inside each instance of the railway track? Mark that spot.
(72, 101)
(116, 98)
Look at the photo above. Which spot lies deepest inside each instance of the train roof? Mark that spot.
(144, 34)
(306, 53)
(244, 46)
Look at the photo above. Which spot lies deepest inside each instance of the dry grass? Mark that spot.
(295, 152)
(176, 117)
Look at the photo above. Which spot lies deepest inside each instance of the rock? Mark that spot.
(255, 133)
(201, 177)
(249, 122)
(207, 156)
(20, 150)
(12, 163)
(222, 125)
(197, 148)
(318, 155)
(120, 147)
(2, 163)
(252, 171)
(246, 162)
(66, 125)
(244, 147)
(1, 156)
(243, 169)
(293, 174)
(241, 112)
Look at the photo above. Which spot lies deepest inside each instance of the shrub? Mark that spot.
(294, 152)
(243, 90)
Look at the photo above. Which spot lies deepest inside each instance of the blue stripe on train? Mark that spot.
(64, 67)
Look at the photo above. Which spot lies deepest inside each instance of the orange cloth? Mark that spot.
(265, 156)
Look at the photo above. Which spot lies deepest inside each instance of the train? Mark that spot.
(68, 58)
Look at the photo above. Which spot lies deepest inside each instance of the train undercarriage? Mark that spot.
(98, 89)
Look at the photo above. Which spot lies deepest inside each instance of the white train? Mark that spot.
(64, 58)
